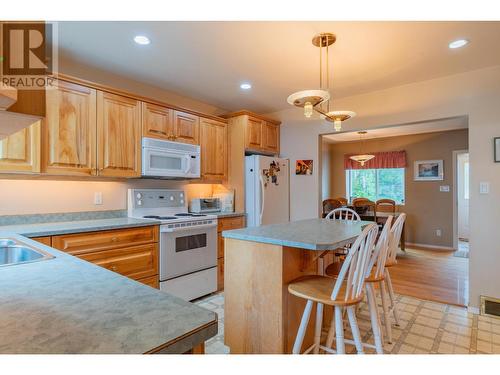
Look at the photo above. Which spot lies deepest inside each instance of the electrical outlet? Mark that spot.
(438, 232)
(97, 198)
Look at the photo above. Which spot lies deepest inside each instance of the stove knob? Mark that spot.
(139, 195)
(182, 201)
(172, 198)
(139, 203)
(181, 195)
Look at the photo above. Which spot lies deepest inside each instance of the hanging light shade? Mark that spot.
(361, 158)
(319, 100)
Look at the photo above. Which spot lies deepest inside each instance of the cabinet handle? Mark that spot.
(113, 268)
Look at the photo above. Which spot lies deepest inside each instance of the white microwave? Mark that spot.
(165, 159)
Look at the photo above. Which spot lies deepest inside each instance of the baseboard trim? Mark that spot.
(422, 246)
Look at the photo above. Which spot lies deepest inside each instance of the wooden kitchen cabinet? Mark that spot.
(131, 252)
(214, 149)
(20, 152)
(225, 223)
(157, 121)
(118, 135)
(270, 137)
(253, 134)
(47, 240)
(69, 130)
(187, 128)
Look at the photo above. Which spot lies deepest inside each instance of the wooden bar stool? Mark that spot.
(376, 276)
(394, 239)
(347, 292)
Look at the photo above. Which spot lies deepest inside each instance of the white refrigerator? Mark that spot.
(267, 190)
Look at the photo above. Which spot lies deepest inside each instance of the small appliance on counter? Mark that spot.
(226, 197)
(205, 205)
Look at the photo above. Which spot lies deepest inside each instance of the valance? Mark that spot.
(390, 159)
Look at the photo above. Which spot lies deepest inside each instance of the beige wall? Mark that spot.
(475, 94)
(427, 208)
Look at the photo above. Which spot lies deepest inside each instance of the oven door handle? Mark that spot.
(165, 229)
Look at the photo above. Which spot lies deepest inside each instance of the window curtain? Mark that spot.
(391, 159)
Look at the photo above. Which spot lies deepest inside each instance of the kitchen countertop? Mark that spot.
(67, 305)
(312, 234)
(221, 215)
(76, 226)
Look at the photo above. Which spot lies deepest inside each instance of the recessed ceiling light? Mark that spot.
(245, 86)
(141, 39)
(458, 43)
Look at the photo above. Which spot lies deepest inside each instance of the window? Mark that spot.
(376, 184)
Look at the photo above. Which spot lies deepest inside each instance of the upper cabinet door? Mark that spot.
(253, 134)
(187, 128)
(69, 130)
(157, 121)
(118, 135)
(20, 152)
(214, 149)
(271, 137)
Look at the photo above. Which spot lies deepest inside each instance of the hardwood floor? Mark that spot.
(432, 275)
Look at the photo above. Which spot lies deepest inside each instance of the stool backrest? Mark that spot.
(354, 268)
(395, 237)
(343, 213)
(379, 255)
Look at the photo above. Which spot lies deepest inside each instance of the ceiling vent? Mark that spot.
(490, 306)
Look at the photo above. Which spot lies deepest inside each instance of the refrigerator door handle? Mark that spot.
(262, 199)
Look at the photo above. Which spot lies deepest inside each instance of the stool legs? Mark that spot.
(339, 328)
(385, 308)
(375, 320)
(391, 295)
(302, 328)
(351, 314)
(331, 331)
(319, 326)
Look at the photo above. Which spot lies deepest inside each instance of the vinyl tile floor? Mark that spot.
(426, 328)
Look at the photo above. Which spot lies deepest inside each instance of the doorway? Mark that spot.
(462, 204)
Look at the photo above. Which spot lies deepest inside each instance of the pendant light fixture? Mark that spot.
(319, 100)
(361, 158)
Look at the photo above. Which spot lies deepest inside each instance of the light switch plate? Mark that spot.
(98, 198)
(484, 188)
(444, 188)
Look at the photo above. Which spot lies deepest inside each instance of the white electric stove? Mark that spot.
(188, 242)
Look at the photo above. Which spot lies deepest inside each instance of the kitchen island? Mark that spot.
(260, 316)
(68, 305)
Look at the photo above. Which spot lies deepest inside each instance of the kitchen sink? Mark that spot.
(13, 251)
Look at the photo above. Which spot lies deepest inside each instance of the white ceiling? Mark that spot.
(394, 131)
(208, 60)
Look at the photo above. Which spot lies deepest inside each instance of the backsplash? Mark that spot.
(59, 217)
(29, 197)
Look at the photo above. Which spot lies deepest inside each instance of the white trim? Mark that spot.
(473, 310)
(455, 193)
(435, 247)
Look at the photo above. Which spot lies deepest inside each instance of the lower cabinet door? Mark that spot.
(136, 262)
(151, 281)
(220, 274)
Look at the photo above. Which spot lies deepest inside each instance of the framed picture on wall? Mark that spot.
(304, 167)
(428, 170)
(496, 149)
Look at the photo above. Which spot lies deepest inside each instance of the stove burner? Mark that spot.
(160, 217)
(190, 215)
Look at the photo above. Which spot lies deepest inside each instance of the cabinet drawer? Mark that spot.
(135, 262)
(151, 281)
(83, 243)
(45, 240)
(220, 274)
(229, 223)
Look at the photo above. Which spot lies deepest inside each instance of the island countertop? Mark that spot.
(311, 234)
(67, 305)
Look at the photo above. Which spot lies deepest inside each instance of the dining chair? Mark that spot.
(393, 245)
(342, 200)
(384, 206)
(330, 204)
(345, 292)
(343, 213)
(364, 205)
(376, 276)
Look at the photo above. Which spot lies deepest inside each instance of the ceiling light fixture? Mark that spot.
(458, 43)
(141, 39)
(245, 86)
(361, 158)
(319, 100)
